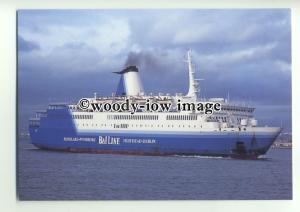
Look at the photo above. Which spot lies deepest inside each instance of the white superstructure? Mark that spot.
(230, 118)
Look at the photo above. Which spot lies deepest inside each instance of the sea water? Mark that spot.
(50, 175)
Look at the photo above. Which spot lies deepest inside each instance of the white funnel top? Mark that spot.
(131, 81)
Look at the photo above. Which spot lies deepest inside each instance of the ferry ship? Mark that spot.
(231, 132)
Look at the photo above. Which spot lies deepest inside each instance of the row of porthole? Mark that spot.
(237, 109)
(137, 125)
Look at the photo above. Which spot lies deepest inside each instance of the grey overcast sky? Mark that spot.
(64, 55)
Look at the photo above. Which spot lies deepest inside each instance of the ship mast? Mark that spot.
(194, 87)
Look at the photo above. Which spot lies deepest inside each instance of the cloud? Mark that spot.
(26, 46)
(70, 59)
(232, 26)
(108, 38)
(237, 56)
(232, 49)
(283, 66)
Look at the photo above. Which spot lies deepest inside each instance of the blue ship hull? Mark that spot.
(61, 134)
(223, 144)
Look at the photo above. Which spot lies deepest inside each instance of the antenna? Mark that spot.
(194, 85)
(228, 96)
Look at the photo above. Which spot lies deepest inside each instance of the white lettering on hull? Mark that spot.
(109, 140)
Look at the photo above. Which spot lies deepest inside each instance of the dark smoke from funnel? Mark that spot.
(144, 60)
(133, 59)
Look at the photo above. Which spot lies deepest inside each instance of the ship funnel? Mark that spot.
(130, 83)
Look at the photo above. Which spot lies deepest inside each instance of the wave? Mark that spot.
(200, 156)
